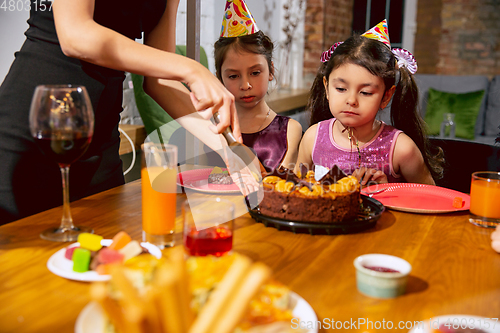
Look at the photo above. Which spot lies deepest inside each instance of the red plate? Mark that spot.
(198, 180)
(418, 198)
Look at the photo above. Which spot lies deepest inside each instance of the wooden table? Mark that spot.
(455, 271)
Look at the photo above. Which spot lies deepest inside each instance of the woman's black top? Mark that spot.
(30, 182)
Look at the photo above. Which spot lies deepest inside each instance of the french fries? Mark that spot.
(165, 306)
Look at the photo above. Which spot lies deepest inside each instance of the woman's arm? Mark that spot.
(82, 38)
(408, 161)
(293, 136)
(306, 148)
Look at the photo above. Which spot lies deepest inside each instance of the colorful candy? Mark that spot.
(89, 241)
(120, 240)
(81, 260)
(69, 252)
(90, 255)
(131, 250)
(109, 256)
(457, 202)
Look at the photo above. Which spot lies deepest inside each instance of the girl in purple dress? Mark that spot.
(356, 80)
(243, 61)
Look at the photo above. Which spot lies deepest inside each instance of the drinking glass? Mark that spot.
(448, 126)
(484, 199)
(62, 124)
(208, 226)
(159, 193)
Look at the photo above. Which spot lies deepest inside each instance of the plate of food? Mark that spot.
(419, 198)
(458, 324)
(209, 180)
(223, 294)
(61, 263)
(92, 319)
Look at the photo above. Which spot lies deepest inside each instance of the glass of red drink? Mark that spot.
(62, 124)
(208, 226)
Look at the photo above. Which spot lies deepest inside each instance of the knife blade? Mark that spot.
(246, 160)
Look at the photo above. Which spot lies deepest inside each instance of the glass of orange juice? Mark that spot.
(485, 199)
(159, 188)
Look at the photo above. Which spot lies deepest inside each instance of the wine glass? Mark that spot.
(62, 124)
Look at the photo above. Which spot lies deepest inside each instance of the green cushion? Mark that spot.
(465, 107)
(181, 49)
(153, 116)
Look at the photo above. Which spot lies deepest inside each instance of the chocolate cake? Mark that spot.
(334, 198)
(219, 177)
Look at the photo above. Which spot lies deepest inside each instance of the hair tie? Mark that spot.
(325, 56)
(405, 59)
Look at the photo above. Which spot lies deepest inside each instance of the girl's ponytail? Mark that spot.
(317, 103)
(405, 116)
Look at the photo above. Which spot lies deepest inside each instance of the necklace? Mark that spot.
(350, 135)
(267, 115)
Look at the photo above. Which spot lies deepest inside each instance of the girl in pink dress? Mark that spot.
(358, 78)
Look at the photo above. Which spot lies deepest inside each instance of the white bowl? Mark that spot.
(381, 284)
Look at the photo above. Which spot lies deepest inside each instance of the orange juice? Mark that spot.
(485, 198)
(158, 200)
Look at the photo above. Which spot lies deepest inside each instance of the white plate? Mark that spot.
(482, 323)
(92, 319)
(59, 265)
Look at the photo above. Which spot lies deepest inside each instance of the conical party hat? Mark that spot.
(237, 20)
(379, 32)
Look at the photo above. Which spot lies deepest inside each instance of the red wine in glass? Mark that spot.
(62, 125)
(64, 151)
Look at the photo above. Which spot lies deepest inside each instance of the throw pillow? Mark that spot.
(465, 106)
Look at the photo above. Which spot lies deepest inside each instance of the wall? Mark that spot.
(458, 37)
(12, 26)
(327, 22)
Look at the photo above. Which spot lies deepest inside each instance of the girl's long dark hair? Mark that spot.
(257, 43)
(378, 59)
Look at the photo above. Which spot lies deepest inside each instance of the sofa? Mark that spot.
(485, 127)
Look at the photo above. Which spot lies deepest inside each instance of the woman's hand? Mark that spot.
(495, 239)
(368, 176)
(209, 96)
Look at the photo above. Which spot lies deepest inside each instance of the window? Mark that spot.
(368, 13)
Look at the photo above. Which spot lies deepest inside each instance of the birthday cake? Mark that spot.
(334, 198)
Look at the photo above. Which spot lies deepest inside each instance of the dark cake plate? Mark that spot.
(367, 218)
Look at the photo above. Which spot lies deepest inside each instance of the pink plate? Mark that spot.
(418, 198)
(198, 180)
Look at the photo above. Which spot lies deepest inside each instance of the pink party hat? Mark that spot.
(237, 20)
(379, 32)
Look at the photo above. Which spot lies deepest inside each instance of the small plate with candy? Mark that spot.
(90, 258)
